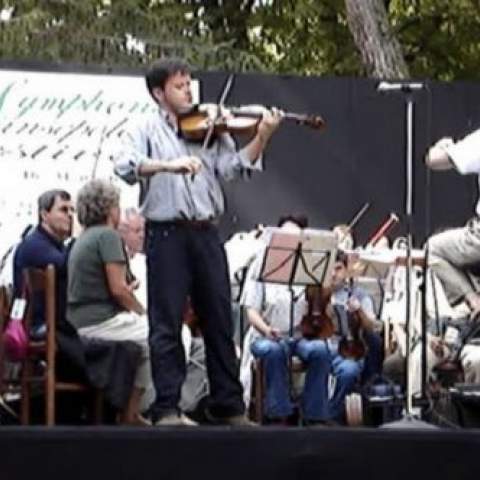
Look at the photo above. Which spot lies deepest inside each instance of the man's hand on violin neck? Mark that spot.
(270, 121)
(186, 164)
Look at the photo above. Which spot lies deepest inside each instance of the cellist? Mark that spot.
(268, 312)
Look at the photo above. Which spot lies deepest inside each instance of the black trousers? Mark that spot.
(189, 260)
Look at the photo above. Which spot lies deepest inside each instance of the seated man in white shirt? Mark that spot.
(455, 250)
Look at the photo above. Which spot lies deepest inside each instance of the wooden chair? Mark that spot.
(41, 282)
(296, 367)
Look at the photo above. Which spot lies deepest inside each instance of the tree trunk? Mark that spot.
(381, 51)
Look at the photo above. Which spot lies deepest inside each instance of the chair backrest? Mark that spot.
(41, 283)
(5, 301)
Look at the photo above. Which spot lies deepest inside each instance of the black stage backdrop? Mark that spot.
(358, 158)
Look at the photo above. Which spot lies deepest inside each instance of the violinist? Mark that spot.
(325, 399)
(350, 299)
(182, 199)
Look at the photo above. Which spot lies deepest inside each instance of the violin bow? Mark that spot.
(358, 216)
(226, 90)
(354, 221)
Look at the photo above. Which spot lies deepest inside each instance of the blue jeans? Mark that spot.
(374, 358)
(320, 361)
(274, 355)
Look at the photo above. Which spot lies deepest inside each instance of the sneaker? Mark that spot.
(175, 420)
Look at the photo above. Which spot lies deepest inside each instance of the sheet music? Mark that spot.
(303, 258)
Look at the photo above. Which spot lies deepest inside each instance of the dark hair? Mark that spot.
(47, 199)
(161, 70)
(342, 257)
(300, 220)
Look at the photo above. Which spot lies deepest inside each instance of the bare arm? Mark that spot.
(257, 322)
(120, 290)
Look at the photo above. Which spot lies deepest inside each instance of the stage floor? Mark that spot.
(232, 453)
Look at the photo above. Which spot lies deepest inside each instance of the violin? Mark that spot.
(195, 124)
(352, 344)
(317, 323)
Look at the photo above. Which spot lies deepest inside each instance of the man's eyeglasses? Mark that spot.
(66, 209)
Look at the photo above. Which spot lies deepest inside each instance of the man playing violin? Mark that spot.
(352, 299)
(182, 199)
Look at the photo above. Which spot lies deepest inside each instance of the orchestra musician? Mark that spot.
(267, 307)
(457, 249)
(268, 311)
(182, 201)
(454, 250)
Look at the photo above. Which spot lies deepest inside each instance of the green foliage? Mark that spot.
(305, 37)
(440, 37)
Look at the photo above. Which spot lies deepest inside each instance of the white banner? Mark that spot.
(56, 131)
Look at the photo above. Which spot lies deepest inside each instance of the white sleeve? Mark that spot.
(253, 289)
(465, 154)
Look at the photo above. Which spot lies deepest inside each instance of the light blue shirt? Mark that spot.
(172, 196)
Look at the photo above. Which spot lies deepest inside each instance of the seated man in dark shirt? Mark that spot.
(46, 245)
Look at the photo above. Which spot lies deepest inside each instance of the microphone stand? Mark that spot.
(408, 420)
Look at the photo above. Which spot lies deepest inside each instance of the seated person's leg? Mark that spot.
(470, 358)
(394, 368)
(451, 252)
(346, 372)
(374, 358)
(316, 356)
(274, 355)
(132, 327)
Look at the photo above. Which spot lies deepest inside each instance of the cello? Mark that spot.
(317, 323)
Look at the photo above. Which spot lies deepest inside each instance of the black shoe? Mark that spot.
(239, 420)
